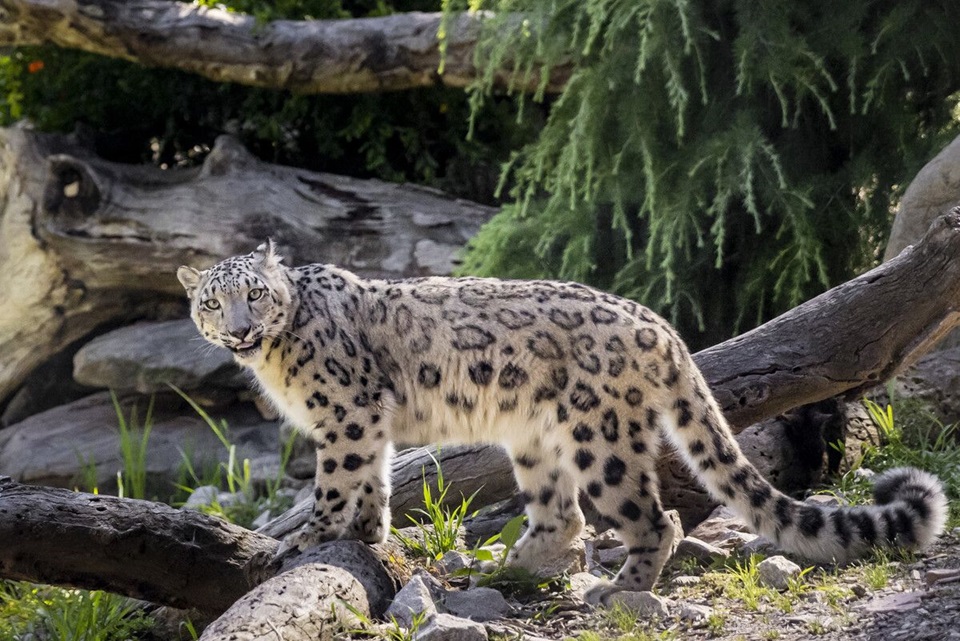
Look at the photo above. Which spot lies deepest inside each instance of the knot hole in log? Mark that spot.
(72, 190)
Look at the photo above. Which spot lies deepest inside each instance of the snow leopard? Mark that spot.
(579, 386)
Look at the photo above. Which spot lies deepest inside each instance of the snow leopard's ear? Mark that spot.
(266, 255)
(189, 278)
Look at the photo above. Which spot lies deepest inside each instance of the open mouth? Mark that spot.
(246, 348)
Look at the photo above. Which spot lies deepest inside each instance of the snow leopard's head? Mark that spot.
(241, 301)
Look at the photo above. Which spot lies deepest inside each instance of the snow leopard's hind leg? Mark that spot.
(553, 513)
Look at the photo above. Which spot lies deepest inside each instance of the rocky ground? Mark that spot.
(710, 591)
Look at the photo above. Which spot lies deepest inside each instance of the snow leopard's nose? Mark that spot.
(240, 332)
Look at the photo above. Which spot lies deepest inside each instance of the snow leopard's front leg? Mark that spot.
(350, 494)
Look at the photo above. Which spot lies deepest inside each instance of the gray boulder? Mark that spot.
(933, 191)
(446, 627)
(693, 548)
(81, 442)
(145, 357)
(934, 380)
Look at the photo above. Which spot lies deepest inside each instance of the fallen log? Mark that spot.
(142, 549)
(400, 51)
(86, 243)
(846, 340)
(185, 559)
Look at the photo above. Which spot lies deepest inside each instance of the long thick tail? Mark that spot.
(910, 509)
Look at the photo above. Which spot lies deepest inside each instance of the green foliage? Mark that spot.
(512, 581)
(909, 436)
(508, 537)
(393, 631)
(917, 439)
(745, 585)
(876, 573)
(721, 162)
(132, 479)
(236, 474)
(40, 612)
(440, 531)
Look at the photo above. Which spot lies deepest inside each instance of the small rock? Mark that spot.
(612, 557)
(695, 613)
(264, 470)
(858, 590)
(446, 627)
(683, 580)
(645, 604)
(901, 602)
(606, 539)
(759, 545)
(229, 499)
(823, 500)
(413, 599)
(936, 575)
(476, 604)
(261, 520)
(720, 526)
(777, 571)
(864, 473)
(582, 581)
(693, 548)
(454, 561)
(203, 495)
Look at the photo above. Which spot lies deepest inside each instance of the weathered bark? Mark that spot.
(142, 549)
(85, 242)
(467, 469)
(846, 340)
(315, 56)
(185, 559)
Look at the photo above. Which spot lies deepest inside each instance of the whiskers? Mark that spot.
(293, 334)
(203, 346)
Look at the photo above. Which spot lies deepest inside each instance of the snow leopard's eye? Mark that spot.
(255, 294)
(211, 304)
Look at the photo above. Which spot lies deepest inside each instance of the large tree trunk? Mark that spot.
(85, 242)
(317, 56)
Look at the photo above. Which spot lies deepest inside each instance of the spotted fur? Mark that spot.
(578, 385)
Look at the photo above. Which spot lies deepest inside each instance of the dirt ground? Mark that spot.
(839, 604)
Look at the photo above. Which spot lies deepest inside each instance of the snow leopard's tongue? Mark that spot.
(246, 347)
